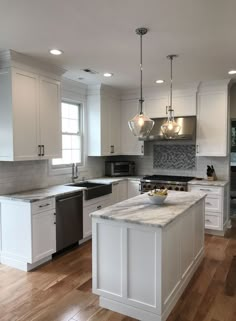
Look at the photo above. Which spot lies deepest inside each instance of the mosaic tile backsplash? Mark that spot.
(174, 156)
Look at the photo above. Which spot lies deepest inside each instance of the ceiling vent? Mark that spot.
(90, 71)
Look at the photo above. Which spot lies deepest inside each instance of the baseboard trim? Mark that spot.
(24, 266)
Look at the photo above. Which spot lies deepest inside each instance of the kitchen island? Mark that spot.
(144, 255)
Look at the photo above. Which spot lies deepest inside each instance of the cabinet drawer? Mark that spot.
(212, 221)
(44, 205)
(213, 204)
(209, 190)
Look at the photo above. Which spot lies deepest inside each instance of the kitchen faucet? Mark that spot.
(74, 172)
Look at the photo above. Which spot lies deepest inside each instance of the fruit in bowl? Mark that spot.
(158, 196)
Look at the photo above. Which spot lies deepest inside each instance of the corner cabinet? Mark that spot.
(103, 113)
(30, 114)
(212, 119)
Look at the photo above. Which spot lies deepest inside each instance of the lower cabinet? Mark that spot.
(92, 206)
(133, 188)
(119, 191)
(216, 207)
(43, 234)
(28, 233)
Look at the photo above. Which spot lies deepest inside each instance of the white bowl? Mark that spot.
(157, 199)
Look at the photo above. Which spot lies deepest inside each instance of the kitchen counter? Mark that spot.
(110, 180)
(40, 194)
(140, 210)
(152, 250)
(206, 182)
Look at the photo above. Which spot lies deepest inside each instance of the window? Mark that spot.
(71, 135)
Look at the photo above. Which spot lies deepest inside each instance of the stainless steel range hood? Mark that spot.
(187, 131)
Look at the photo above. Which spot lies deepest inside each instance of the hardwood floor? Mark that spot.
(61, 289)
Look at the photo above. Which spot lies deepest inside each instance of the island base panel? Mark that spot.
(143, 315)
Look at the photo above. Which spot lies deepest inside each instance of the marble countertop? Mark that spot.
(40, 194)
(140, 210)
(205, 182)
(110, 180)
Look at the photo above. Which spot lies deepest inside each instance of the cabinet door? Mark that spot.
(114, 129)
(212, 124)
(87, 220)
(119, 192)
(133, 188)
(25, 96)
(105, 127)
(50, 118)
(156, 108)
(130, 145)
(43, 235)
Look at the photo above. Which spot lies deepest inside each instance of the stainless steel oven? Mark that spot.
(119, 168)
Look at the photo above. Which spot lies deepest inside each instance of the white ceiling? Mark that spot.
(100, 34)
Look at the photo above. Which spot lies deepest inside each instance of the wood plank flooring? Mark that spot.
(61, 289)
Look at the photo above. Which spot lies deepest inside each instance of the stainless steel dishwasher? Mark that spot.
(69, 219)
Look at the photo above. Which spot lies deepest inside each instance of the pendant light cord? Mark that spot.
(141, 74)
(171, 81)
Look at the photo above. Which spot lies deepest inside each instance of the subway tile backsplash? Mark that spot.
(174, 156)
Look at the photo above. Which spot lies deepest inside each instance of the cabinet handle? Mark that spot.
(205, 189)
(208, 203)
(142, 149)
(197, 149)
(166, 110)
(43, 150)
(207, 220)
(55, 223)
(99, 207)
(112, 150)
(39, 150)
(139, 188)
(115, 184)
(45, 205)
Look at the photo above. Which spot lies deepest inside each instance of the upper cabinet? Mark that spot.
(103, 113)
(30, 118)
(212, 119)
(184, 102)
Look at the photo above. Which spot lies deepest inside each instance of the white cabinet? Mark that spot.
(133, 188)
(30, 118)
(89, 207)
(50, 117)
(156, 107)
(119, 191)
(28, 233)
(103, 111)
(216, 206)
(130, 145)
(44, 235)
(212, 121)
(184, 104)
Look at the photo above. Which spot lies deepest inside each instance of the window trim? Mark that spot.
(63, 169)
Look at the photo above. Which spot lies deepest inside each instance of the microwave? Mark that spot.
(119, 168)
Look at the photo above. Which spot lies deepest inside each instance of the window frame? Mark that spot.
(66, 168)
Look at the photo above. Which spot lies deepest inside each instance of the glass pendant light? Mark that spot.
(170, 128)
(141, 125)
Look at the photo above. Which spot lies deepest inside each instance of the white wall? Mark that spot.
(20, 176)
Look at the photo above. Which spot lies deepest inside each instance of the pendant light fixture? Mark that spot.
(170, 128)
(141, 125)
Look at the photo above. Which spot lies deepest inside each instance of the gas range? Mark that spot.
(176, 183)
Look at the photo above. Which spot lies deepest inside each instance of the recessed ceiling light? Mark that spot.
(232, 72)
(107, 74)
(56, 52)
(160, 81)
